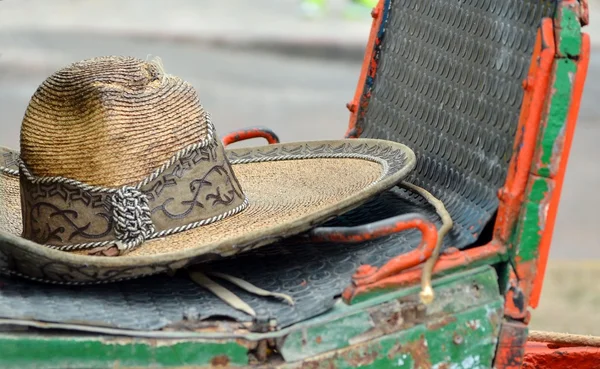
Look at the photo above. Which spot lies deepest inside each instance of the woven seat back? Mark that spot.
(448, 83)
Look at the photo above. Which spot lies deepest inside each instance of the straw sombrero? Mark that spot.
(121, 174)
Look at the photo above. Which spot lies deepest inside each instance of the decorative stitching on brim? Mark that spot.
(148, 234)
(12, 172)
(395, 158)
(10, 272)
(384, 164)
(12, 161)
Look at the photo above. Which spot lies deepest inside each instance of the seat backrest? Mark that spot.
(446, 79)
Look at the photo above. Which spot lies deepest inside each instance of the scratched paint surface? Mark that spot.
(473, 294)
(550, 144)
(465, 342)
(533, 219)
(551, 137)
(569, 43)
(540, 190)
(454, 295)
(92, 352)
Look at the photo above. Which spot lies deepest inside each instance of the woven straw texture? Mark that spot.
(268, 187)
(110, 120)
(287, 195)
(10, 204)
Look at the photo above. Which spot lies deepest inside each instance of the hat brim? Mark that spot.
(291, 188)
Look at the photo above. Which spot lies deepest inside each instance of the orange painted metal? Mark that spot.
(511, 346)
(511, 195)
(544, 249)
(539, 355)
(450, 260)
(369, 67)
(536, 91)
(516, 299)
(377, 229)
(367, 274)
(249, 133)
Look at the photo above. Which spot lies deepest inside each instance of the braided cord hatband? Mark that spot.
(12, 172)
(129, 206)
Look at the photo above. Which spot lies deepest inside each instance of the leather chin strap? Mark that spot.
(229, 297)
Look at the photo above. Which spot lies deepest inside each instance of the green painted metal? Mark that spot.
(569, 31)
(25, 351)
(529, 230)
(464, 340)
(311, 341)
(492, 260)
(550, 143)
(533, 220)
(454, 294)
(382, 329)
(341, 328)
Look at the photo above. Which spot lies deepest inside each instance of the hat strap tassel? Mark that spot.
(229, 297)
(252, 288)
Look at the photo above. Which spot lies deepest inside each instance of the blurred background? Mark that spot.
(263, 62)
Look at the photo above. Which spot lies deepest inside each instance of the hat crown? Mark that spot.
(115, 152)
(109, 121)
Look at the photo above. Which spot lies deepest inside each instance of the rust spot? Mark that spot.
(319, 339)
(528, 83)
(417, 350)
(310, 365)
(262, 351)
(375, 13)
(474, 324)
(451, 250)
(358, 359)
(220, 360)
(442, 322)
(458, 339)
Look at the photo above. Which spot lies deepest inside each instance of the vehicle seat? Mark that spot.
(447, 83)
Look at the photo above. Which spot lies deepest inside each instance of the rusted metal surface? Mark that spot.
(584, 12)
(567, 26)
(511, 345)
(519, 290)
(396, 312)
(417, 350)
(461, 343)
(250, 133)
(542, 356)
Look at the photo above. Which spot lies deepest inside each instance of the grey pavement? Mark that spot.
(249, 24)
(299, 96)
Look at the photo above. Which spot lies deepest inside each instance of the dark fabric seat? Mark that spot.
(448, 84)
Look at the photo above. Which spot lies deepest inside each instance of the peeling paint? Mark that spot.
(474, 324)
(470, 362)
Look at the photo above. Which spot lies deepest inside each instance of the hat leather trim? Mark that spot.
(20, 256)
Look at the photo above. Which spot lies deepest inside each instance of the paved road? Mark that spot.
(299, 98)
